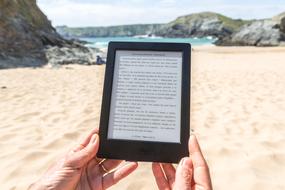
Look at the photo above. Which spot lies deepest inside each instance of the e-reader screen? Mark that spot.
(146, 96)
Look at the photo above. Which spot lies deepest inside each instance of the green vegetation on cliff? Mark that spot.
(228, 22)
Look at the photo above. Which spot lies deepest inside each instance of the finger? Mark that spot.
(80, 158)
(86, 140)
(94, 173)
(184, 175)
(196, 153)
(95, 170)
(115, 176)
(160, 179)
(110, 164)
(169, 171)
(200, 167)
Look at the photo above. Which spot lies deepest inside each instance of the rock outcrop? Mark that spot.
(25, 33)
(268, 32)
(70, 55)
(201, 25)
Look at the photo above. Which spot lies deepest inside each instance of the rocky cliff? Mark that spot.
(26, 33)
(201, 25)
(24, 28)
(267, 32)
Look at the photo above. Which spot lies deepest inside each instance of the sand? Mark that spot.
(237, 112)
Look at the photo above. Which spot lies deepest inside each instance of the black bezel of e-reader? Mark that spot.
(144, 150)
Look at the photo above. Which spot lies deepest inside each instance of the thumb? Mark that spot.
(184, 173)
(80, 158)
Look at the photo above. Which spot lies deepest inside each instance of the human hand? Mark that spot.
(192, 173)
(81, 170)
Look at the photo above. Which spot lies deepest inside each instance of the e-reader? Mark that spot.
(146, 102)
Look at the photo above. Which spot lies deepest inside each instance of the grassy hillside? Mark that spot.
(228, 22)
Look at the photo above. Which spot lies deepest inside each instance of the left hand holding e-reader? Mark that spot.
(146, 102)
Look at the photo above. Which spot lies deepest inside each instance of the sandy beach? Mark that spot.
(237, 113)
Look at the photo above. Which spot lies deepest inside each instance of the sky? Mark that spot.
(118, 12)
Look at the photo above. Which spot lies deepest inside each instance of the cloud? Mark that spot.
(110, 12)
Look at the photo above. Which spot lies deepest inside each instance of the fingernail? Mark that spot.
(187, 163)
(133, 163)
(182, 161)
(94, 138)
(128, 162)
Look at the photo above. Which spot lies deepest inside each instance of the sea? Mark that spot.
(103, 42)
